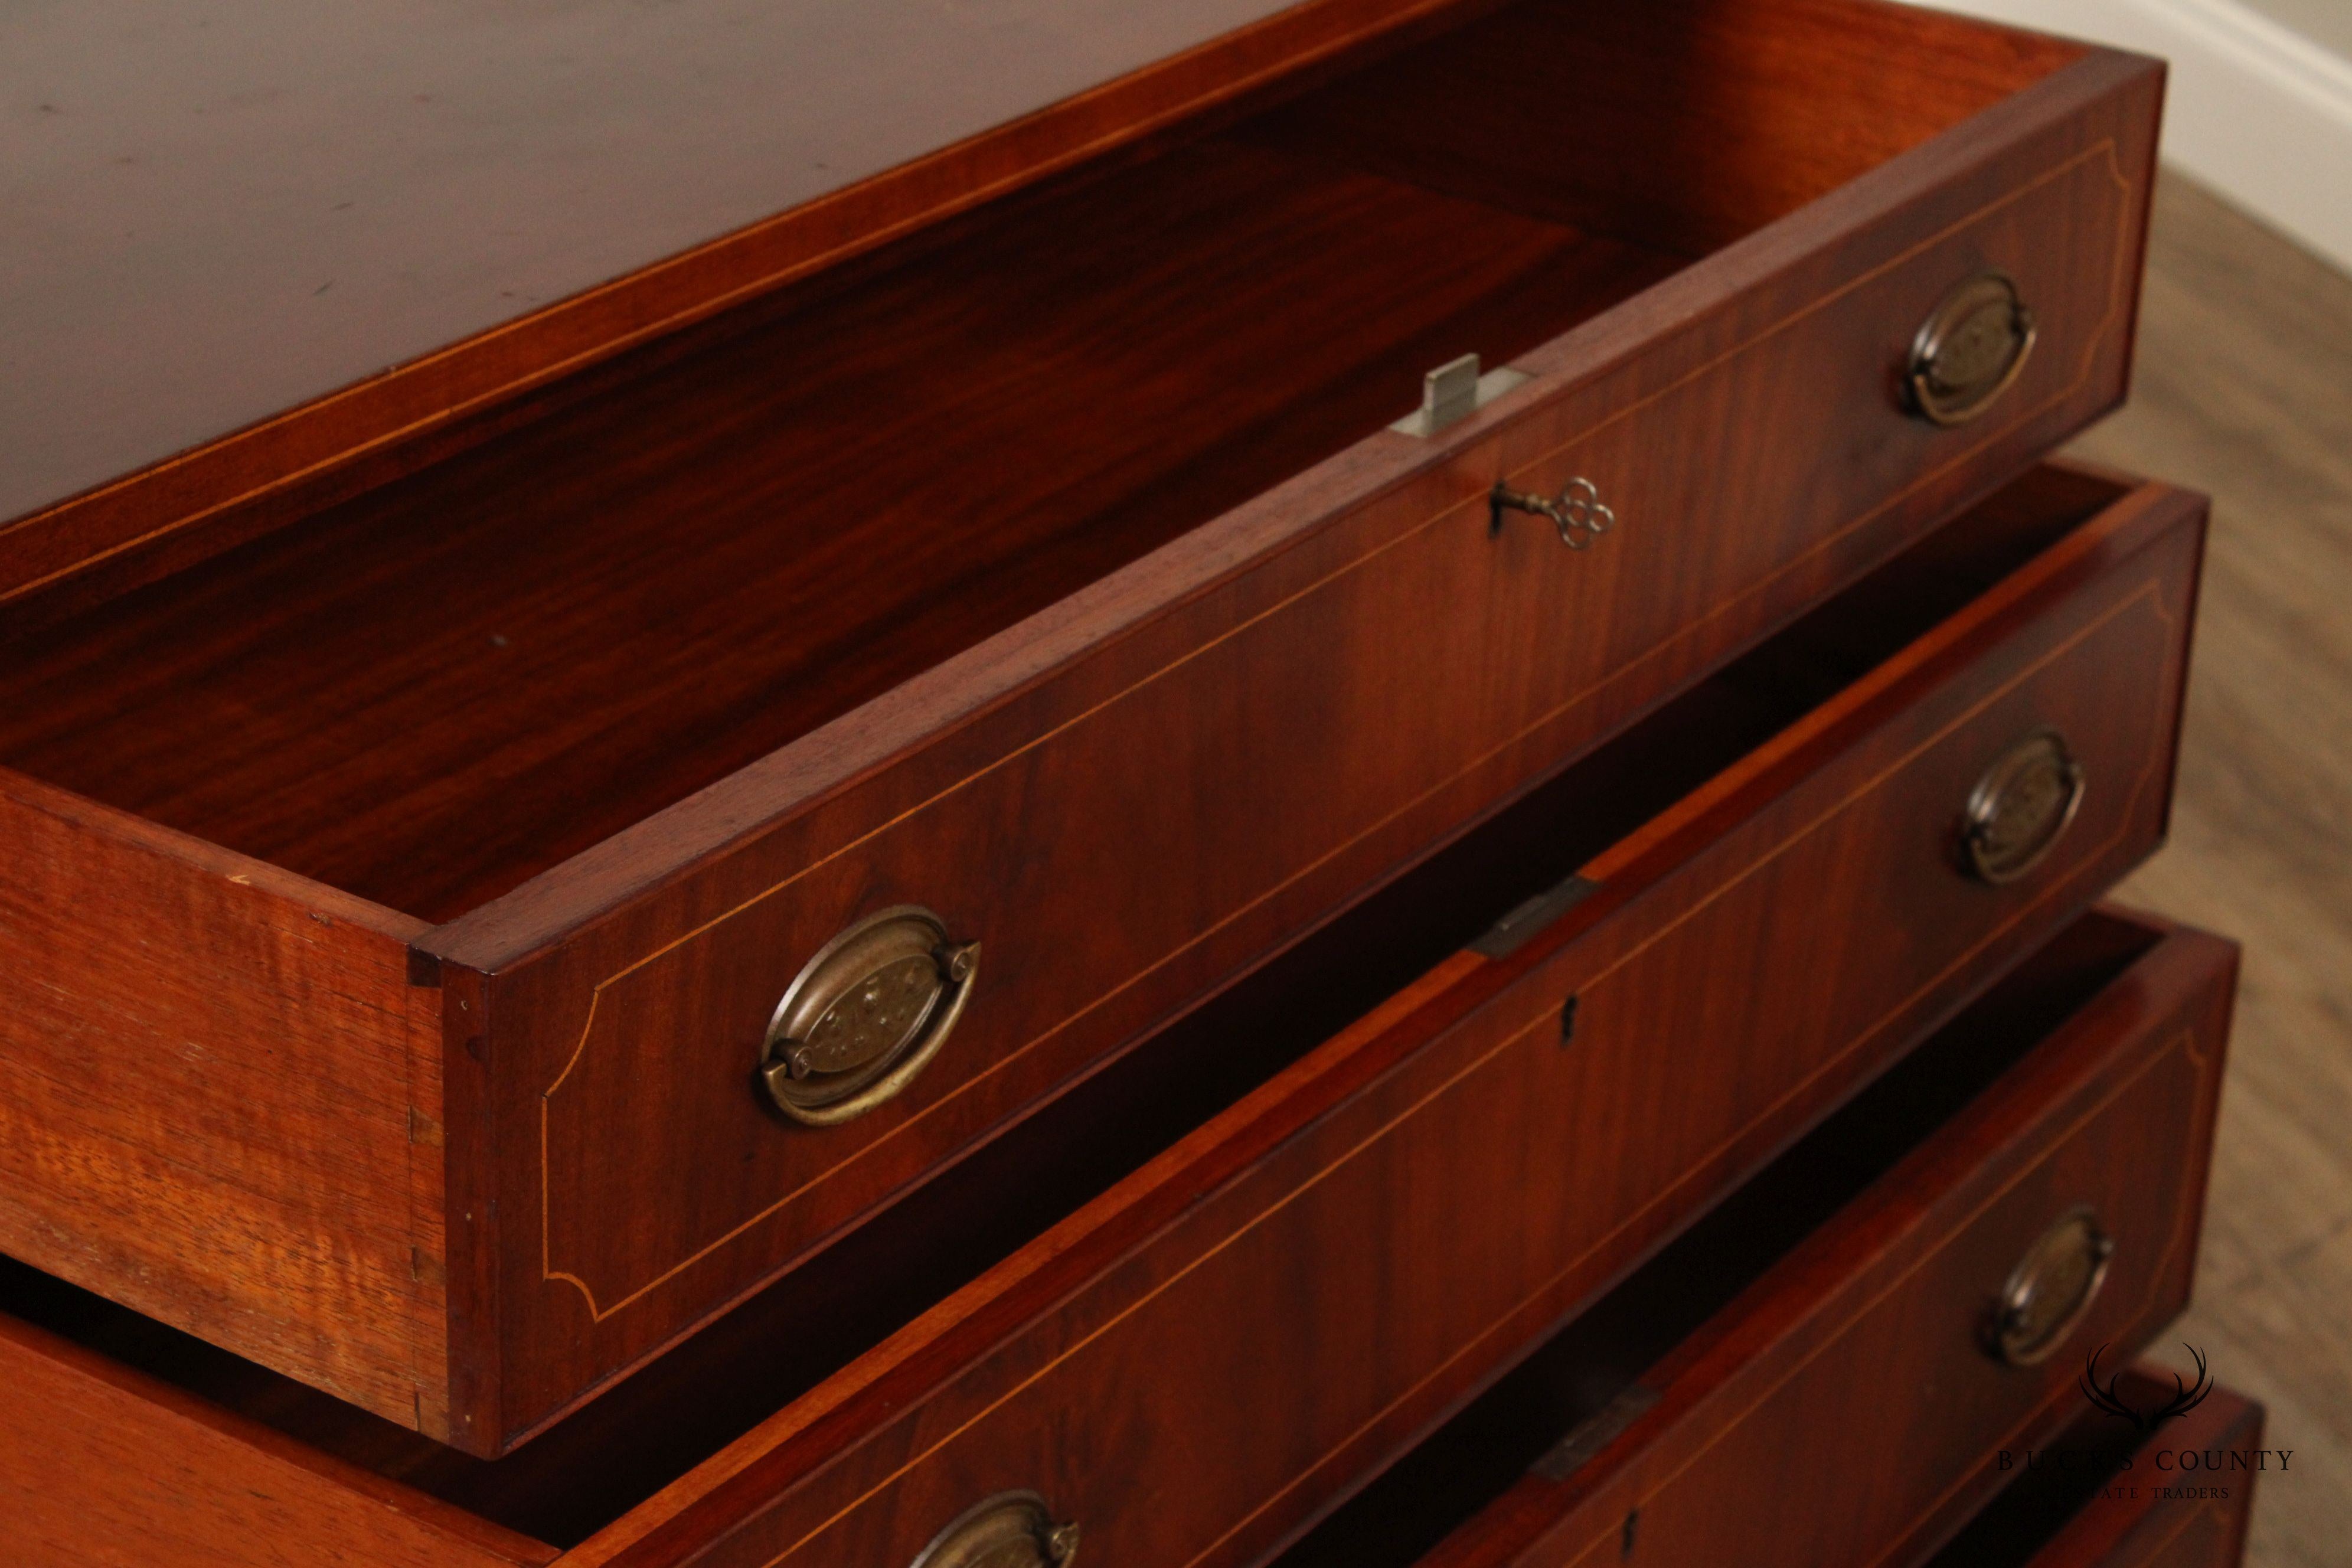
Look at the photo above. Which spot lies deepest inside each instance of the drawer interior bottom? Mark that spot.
(634, 629)
(1592, 1368)
(589, 1470)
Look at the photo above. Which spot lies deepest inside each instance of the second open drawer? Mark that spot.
(2003, 1220)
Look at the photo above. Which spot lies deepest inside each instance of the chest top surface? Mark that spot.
(219, 209)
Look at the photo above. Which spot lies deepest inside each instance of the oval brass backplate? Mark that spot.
(1969, 351)
(2049, 1290)
(866, 1015)
(2020, 808)
(1011, 1530)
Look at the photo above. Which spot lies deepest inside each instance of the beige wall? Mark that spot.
(2260, 104)
(2323, 22)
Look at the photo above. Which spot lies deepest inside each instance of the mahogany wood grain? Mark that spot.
(106, 1469)
(222, 1100)
(231, 485)
(1152, 764)
(1587, 1380)
(2036, 524)
(571, 645)
(2100, 1499)
(1843, 1408)
(851, 820)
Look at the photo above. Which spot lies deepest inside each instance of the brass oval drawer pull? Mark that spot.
(1970, 350)
(866, 1015)
(2021, 807)
(2051, 1290)
(1011, 1530)
(1577, 511)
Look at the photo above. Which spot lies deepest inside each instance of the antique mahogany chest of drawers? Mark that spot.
(1322, 782)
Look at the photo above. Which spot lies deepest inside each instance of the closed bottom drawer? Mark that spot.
(1882, 1377)
(2107, 1494)
(1313, 1237)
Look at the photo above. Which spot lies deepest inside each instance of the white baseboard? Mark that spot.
(2254, 109)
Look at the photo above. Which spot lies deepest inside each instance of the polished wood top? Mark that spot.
(217, 212)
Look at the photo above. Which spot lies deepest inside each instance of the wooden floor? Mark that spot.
(2245, 390)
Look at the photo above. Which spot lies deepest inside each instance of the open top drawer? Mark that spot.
(401, 903)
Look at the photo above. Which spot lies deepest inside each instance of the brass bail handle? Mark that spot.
(866, 1016)
(2050, 1291)
(1578, 511)
(1970, 350)
(2020, 808)
(1011, 1530)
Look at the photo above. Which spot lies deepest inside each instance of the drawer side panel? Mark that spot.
(223, 1103)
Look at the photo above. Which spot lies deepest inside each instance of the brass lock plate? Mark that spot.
(864, 1014)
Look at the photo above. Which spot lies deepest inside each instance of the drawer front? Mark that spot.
(2098, 1501)
(104, 1467)
(1208, 1355)
(2154, 1515)
(1167, 800)
(1853, 1397)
